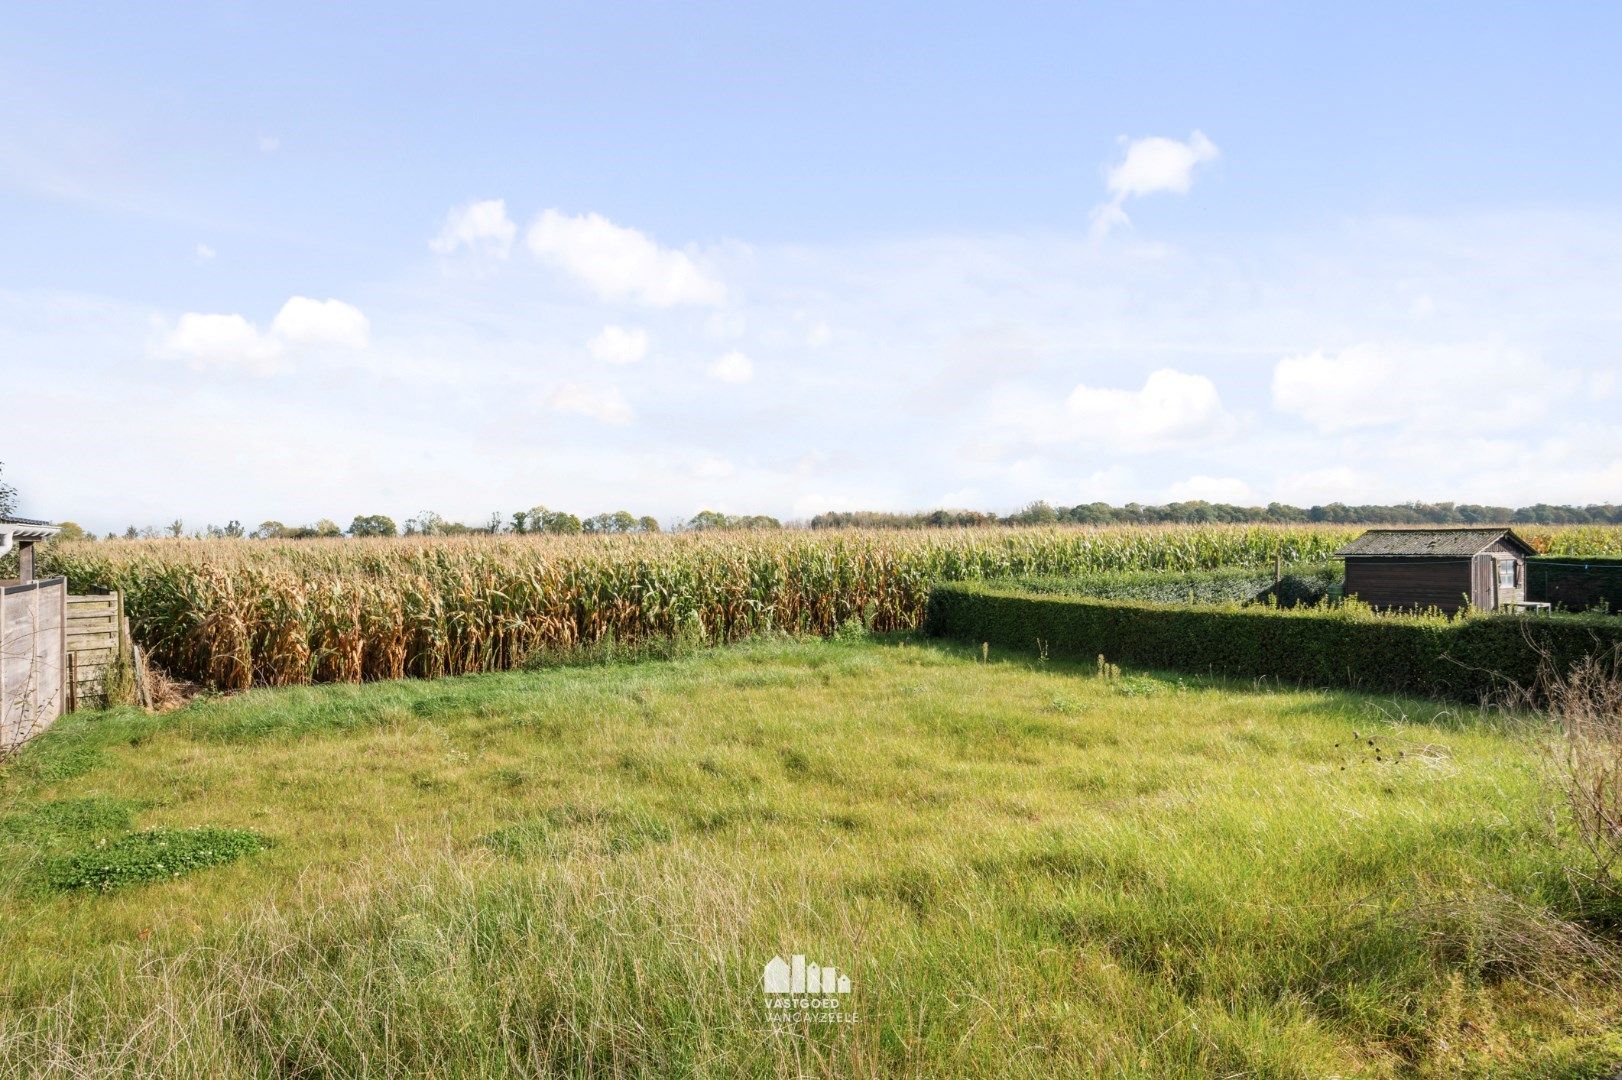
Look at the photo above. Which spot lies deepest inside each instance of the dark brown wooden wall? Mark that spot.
(1409, 583)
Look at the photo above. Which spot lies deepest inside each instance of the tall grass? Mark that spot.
(1027, 870)
(232, 614)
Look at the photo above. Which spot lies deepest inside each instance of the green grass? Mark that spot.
(152, 855)
(1026, 870)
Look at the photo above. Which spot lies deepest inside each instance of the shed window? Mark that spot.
(1506, 573)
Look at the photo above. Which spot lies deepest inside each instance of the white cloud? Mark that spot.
(617, 345)
(734, 367)
(820, 334)
(231, 341)
(1149, 166)
(1217, 489)
(479, 226)
(1159, 164)
(1438, 386)
(204, 253)
(1173, 406)
(620, 263)
(600, 403)
(223, 341)
(303, 321)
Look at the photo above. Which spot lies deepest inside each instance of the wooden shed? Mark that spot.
(1445, 568)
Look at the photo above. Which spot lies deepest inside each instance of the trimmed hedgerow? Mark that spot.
(1302, 583)
(1470, 658)
(153, 855)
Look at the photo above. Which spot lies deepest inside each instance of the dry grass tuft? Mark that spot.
(1586, 704)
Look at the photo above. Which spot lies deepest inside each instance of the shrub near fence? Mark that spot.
(1469, 659)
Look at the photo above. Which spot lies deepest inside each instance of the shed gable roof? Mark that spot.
(27, 529)
(1453, 543)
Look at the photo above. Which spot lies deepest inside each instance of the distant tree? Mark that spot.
(8, 494)
(519, 522)
(372, 525)
(72, 530)
(705, 520)
(177, 528)
(131, 533)
(493, 526)
(270, 530)
(1037, 513)
(561, 523)
(553, 521)
(233, 529)
(647, 523)
(426, 523)
(326, 527)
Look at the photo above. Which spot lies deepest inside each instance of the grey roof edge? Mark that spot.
(1485, 536)
(28, 530)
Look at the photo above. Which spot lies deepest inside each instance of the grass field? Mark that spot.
(1027, 870)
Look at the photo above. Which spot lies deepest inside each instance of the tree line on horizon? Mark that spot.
(1199, 512)
(536, 520)
(541, 520)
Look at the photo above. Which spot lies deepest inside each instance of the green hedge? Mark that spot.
(1302, 583)
(1470, 659)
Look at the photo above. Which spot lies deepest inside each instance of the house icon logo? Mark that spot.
(796, 978)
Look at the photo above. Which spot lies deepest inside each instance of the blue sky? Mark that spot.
(295, 262)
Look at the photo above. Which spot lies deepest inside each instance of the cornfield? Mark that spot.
(235, 613)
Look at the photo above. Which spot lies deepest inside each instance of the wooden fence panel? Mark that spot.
(95, 641)
(33, 658)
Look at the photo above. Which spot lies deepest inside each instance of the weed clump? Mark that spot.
(1586, 705)
(152, 855)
